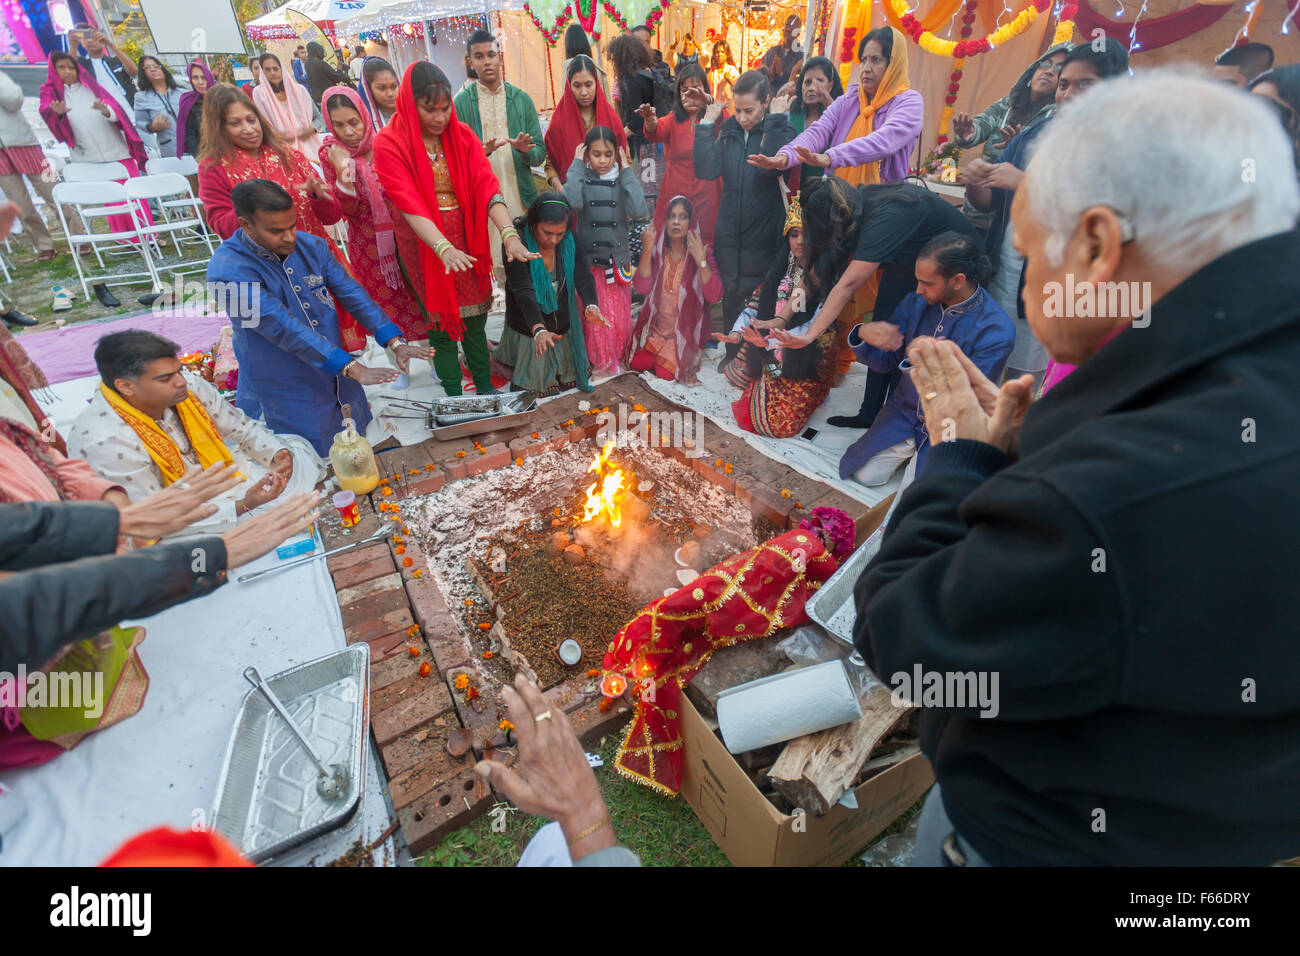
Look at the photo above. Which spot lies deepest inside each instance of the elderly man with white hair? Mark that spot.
(1116, 561)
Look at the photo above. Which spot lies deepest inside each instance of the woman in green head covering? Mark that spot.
(542, 341)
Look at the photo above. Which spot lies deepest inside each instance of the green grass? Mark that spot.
(660, 830)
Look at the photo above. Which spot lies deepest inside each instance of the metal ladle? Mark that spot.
(332, 783)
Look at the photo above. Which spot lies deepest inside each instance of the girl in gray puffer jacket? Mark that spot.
(607, 198)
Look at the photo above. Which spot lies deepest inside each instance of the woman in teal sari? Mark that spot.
(542, 341)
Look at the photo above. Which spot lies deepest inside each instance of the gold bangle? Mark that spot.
(589, 831)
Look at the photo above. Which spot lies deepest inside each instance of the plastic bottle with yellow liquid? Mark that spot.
(353, 459)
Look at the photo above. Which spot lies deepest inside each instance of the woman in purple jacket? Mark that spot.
(878, 126)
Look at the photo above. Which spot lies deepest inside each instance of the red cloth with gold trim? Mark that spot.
(747, 596)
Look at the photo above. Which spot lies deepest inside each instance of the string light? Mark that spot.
(1133, 44)
(1005, 10)
(1290, 15)
(1237, 37)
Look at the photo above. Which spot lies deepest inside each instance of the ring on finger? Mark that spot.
(543, 716)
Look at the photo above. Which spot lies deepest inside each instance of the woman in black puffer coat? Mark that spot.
(750, 217)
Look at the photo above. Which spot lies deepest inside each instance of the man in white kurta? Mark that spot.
(116, 452)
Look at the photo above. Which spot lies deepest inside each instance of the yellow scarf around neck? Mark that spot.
(199, 429)
(894, 81)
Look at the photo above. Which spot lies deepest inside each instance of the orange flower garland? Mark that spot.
(960, 49)
(1065, 24)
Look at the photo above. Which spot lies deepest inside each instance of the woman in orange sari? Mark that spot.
(238, 145)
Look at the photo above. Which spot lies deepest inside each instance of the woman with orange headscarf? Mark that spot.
(434, 170)
(865, 137)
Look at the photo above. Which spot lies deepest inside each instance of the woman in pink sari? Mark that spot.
(287, 106)
(84, 115)
(679, 278)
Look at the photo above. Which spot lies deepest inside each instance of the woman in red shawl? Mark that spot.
(433, 168)
(239, 145)
(582, 106)
(347, 159)
(751, 595)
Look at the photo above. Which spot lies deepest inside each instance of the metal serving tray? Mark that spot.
(266, 797)
(832, 606)
(461, 415)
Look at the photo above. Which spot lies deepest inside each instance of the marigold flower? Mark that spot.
(461, 681)
(471, 693)
(386, 491)
(407, 562)
(406, 530)
(469, 602)
(384, 481)
(416, 573)
(399, 542)
(430, 467)
(414, 471)
(506, 726)
(536, 435)
(519, 461)
(413, 631)
(606, 703)
(484, 626)
(426, 669)
(728, 469)
(413, 651)
(400, 549)
(593, 673)
(785, 492)
(460, 454)
(718, 463)
(488, 655)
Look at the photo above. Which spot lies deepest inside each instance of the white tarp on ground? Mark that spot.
(160, 767)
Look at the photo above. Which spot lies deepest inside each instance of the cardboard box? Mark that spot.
(752, 832)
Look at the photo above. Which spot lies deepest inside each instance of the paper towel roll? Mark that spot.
(784, 706)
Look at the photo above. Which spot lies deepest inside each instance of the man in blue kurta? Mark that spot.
(948, 303)
(279, 286)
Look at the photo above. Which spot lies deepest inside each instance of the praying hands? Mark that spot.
(960, 402)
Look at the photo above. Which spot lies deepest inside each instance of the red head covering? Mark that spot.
(403, 166)
(189, 100)
(52, 92)
(566, 129)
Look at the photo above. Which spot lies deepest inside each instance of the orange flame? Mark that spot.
(611, 487)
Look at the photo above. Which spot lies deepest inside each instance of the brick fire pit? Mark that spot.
(411, 607)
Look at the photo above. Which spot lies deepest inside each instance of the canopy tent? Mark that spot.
(275, 25)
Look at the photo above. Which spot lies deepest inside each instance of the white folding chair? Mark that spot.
(164, 189)
(186, 201)
(96, 201)
(94, 172)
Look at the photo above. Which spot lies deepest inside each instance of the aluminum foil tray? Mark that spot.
(462, 415)
(266, 796)
(832, 606)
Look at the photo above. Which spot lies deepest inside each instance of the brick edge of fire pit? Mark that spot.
(388, 600)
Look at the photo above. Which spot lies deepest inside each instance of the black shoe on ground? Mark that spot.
(106, 298)
(18, 320)
(848, 421)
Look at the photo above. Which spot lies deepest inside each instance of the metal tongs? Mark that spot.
(406, 404)
(386, 531)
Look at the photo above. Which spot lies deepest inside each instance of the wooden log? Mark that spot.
(815, 770)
